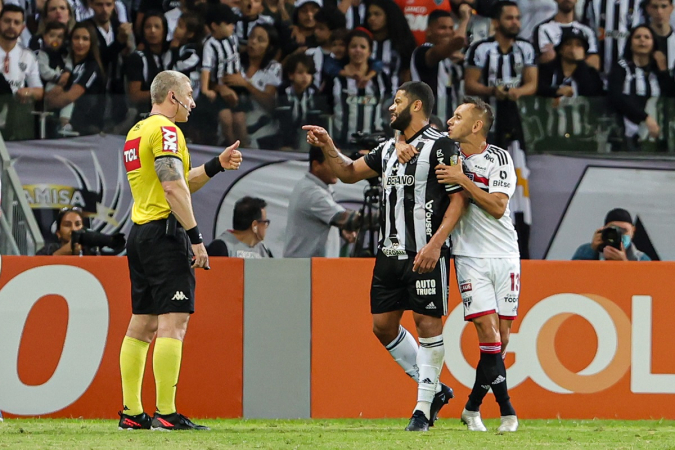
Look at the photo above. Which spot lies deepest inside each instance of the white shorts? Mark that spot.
(488, 286)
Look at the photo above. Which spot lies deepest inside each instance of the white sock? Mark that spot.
(404, 351)
(430, 363)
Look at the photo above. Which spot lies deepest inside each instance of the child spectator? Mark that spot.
(298, 101)
(52, 66)
(220, 58)
(250, 16)
(337, 64)
(328, 19)
(186, 57)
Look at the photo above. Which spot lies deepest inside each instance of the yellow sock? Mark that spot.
(132, 366)
(166, 365)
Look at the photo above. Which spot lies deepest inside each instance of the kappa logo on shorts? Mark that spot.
(426, 287)
(465, 286)
(179, 296)
(169, 139)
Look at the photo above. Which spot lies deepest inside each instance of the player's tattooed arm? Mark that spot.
(168, 168)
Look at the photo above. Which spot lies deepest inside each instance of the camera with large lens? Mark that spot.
(91, 238)
(612, 236)
(363, 140)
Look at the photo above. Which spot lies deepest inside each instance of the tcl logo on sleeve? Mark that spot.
(169, 139)
(132, 160)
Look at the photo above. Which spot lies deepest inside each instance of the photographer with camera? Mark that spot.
(74, 239)
(314, 216)
(613, 242)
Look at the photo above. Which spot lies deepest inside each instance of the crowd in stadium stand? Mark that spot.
(263, 68)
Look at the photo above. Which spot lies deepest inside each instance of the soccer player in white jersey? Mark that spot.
(485, 247)
(417, 215)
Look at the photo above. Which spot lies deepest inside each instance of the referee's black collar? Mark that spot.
(424, 128)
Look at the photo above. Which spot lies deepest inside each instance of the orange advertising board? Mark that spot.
(62, 321)
(591, 340)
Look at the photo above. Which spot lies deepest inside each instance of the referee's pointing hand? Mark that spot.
(231, 158)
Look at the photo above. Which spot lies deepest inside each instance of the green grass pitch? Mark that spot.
(70, 434)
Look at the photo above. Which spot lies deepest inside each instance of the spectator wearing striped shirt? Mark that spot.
(634, 84)
(358, 106)
(147, 61)
(659, 13)
(298, 102)
(393, 42)
(328, 19)
(220, 57)
(86, 86)
(546, 36)
(250, 15)
(431, 61)
(612, 21)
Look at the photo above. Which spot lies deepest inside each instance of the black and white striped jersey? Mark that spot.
(358, 109)
(497, 68)
(502, 69)
(319, 56)
(550, 32)
(612, 21)
(630, 88)
(356, 16)
(187, 60)
(244, 26)
(413, 201)
(221, 57)
(444, 79)
(666, 44)
(391, 60)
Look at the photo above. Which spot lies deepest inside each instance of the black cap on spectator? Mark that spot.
(220, 13)
(569, 33)
(618, 215)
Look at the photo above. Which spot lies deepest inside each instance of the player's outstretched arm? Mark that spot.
(229, 159)
(170, 173)
(345, 169)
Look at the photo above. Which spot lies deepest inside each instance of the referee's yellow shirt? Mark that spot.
(154, 137)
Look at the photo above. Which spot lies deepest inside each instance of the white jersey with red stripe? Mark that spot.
(478, 234)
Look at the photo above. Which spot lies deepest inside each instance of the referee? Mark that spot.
(164, 248)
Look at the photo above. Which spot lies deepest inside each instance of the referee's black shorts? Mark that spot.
(396, 287)
(162, 279)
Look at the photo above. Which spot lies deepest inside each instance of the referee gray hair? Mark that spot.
(168, 80)
(483, 110)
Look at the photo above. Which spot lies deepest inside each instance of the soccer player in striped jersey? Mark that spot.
(612, 21)
(416, 217)
(485, 247)
(660, 12)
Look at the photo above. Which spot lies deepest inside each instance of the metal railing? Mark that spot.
(19, 231)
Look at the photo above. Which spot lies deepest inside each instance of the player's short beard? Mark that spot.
(403, 120)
